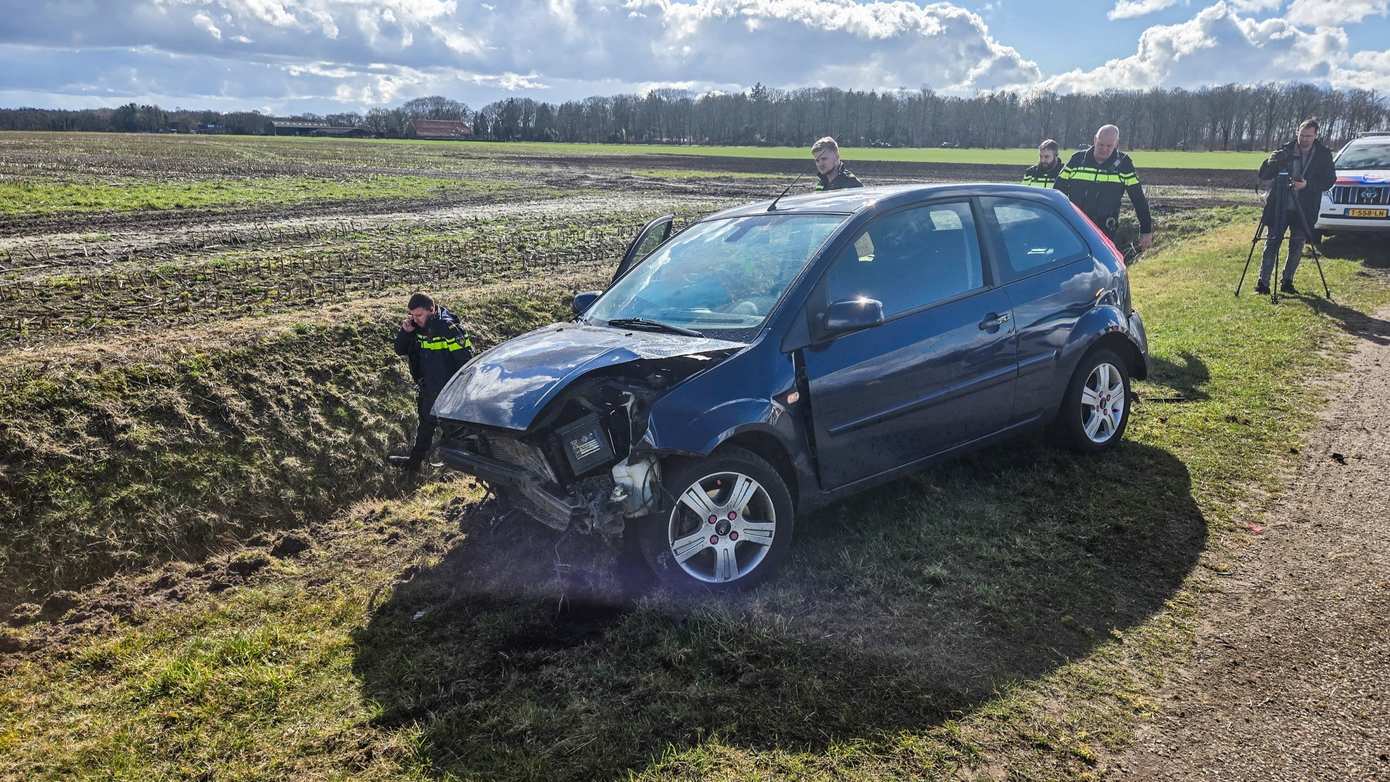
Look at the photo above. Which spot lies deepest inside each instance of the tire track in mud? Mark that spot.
(70, 240)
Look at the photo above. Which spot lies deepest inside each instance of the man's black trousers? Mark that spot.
(424, 432)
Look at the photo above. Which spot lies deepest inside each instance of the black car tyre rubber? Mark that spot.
(721, 523)
(1079, 404)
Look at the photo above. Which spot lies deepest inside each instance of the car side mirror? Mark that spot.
(583, 301)
(852, 315)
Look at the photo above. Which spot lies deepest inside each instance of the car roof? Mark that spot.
(862, 199)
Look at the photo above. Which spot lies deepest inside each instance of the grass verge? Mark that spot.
(1150, 159)
(1009, 615)
(112, 461)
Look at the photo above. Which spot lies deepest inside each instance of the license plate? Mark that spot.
(1368, 213)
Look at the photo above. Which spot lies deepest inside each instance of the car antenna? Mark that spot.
(772, 207)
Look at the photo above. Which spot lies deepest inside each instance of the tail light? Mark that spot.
(1119, 256)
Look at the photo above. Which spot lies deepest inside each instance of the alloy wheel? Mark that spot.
(1103, 403)
(722, 527)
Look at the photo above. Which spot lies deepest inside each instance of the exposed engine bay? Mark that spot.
(581, 464)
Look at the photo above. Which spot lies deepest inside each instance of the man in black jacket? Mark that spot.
(831, 170)
(1096, 179)
(1311, 173)
(437, 345)
(1049, 165)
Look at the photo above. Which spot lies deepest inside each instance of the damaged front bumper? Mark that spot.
(600, 503)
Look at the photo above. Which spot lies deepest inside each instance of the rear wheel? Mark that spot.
(1095, 410)
(729, 527)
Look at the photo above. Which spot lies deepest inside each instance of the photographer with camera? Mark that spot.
(1306, 165)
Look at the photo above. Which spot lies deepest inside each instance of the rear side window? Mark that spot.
(911, 258)
(1033, 236)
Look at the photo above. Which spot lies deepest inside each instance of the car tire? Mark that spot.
(1095, 410)
(734, 542)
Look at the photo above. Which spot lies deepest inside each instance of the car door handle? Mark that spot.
(994, 321)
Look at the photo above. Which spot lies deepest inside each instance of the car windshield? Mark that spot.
(718, 276)
(1366, 155)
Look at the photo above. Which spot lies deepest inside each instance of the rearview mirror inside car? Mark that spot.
(852, 315)
(583, 301)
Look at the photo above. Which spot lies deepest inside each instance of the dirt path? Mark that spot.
(1291, 679)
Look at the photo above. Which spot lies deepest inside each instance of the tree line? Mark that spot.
(1229, 117)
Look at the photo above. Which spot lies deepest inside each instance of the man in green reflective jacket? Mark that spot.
(1049, 165)
(1097, 178)
(437, 345)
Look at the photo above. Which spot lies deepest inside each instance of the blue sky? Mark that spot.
(334, 55)
(1032, 28)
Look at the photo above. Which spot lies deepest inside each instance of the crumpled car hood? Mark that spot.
(509, 385)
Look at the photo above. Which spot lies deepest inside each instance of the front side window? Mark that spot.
(719, 277)
(1034, 237)
(910, 258)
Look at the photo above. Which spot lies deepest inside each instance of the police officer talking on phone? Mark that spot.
(435, 342)
(1311, 172)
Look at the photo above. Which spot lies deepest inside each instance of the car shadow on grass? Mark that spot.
(901, 608)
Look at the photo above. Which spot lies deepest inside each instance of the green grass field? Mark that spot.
(1012, 157)
(1009, 615)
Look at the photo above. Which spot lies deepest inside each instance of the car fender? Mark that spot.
(768, 421)
(1099, 322)
(699, 435)
(698, 416)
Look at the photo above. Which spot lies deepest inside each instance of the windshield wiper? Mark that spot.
(652, 325)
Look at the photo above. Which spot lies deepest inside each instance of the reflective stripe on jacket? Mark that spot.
(1099, 186)
(437, 350)
(1038, 176)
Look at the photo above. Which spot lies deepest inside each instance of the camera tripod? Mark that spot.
(1281, 190)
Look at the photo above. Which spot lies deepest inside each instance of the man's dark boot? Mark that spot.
(1287, 287)
(1262, 287)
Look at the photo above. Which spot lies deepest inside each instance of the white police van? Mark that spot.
(1360, 200)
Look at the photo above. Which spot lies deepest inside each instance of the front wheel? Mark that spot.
(1095, 410)
(729, 527)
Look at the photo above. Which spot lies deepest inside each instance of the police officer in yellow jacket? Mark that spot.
(1097, 178)
(1049, 165)
(437, 345)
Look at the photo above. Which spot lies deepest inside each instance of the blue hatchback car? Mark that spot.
(775, 357)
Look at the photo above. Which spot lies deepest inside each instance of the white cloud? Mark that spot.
(1216, 46)
(881, 44)
(358, 53)
(1130, 9)
(205, 22)
(1334, 13)
(1367, 71)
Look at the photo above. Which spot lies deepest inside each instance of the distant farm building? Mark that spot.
(440, 129)
(302, 127)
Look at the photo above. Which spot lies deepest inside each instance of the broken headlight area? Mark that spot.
(574, 468)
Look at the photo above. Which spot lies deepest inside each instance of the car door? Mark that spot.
(1046, 269)
(648, 239)
(937, 372)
